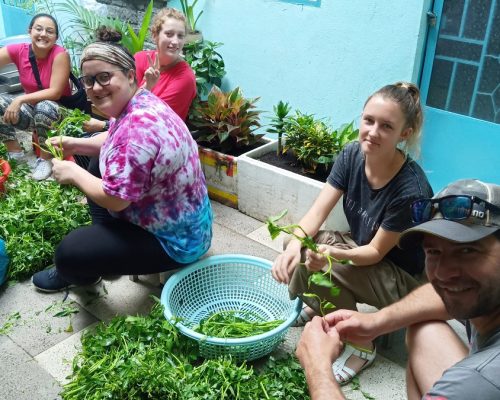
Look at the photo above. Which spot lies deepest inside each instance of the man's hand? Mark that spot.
(318, 347)
(285, 263)
(354, 326)
(11, 114)
(152, 74)
(319, 343)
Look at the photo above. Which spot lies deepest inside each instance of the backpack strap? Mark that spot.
(34, 67)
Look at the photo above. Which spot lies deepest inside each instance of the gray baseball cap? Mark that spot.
(481, 223)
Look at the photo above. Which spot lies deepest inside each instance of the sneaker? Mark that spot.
(16, 155)
(42, 169)
(50, 281)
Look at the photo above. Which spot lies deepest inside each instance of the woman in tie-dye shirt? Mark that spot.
(152, 184)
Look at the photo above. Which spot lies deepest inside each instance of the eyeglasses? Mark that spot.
(453, 207)
(48, 31)
(102, 78)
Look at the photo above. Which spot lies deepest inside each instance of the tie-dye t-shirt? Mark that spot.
(150, 159)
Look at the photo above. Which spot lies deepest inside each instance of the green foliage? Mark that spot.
(207, 64)
(281, 111)
(313, 142)
(135, 42)
(3, 151)
(226, 120)
(71, 123)
(235, 324)
(323, 279)
(147, 358)
(191, 19)
(35, 218)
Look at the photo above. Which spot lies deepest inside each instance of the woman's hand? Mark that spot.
(11, 114)
(66, 143)
(94, 125)
(63, 171)
(285, 263)
(317, 261)
(152, 74)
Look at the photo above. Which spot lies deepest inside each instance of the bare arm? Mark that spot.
(369, 254)
(4, 57)
(311, 222)
(318, 347)
(422, 304)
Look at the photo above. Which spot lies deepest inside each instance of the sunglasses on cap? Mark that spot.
(453, 207)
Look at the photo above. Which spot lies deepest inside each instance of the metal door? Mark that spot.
(461, 91)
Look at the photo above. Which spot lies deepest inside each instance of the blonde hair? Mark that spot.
(162, 15)
(407, 96)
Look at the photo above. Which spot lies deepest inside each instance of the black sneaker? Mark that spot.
(50, 281)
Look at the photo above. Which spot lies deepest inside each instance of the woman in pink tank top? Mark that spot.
(36, 108)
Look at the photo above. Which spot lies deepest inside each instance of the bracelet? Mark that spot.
(106, 125)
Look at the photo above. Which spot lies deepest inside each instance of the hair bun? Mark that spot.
(107, 34)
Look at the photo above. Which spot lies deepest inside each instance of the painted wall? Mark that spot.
(324, 60)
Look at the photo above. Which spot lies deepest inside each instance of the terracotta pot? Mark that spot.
(193, 37)
(5, 168)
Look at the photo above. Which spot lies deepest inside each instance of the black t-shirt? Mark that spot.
(367, 209)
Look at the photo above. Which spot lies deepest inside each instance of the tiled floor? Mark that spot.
(35, 356)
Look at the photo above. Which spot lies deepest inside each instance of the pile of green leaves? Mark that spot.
(314, 142)
(71, 123)
(35, 216)
(145, 357)
(235, 324)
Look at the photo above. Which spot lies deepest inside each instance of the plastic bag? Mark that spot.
(4, 262)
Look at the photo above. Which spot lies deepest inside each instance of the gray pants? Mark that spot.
(378, 285)
(41, 116)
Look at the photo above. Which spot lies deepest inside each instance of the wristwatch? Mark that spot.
(106, 125)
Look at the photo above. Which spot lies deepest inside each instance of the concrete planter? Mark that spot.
(265, 190)
(221, 174)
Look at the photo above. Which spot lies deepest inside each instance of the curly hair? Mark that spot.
(162, 15)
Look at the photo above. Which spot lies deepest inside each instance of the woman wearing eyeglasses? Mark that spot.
(163, 71)
(35, 108)
(378, 181)
(153, 189)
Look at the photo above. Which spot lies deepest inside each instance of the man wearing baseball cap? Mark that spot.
(459, 230)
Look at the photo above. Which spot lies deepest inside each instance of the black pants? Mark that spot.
(110, 246)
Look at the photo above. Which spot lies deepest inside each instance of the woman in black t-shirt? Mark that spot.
(378, 181)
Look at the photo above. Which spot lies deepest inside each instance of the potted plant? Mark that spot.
(266, 188)
(225, 127)
(193, 35)
(314, 143)
(281, 111)
(207, 64)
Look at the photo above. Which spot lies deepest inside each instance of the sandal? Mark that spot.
(303, 318)
(344, 374)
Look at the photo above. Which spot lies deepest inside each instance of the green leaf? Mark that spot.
(319, 279)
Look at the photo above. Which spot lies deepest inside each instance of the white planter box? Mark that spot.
(265, 190)
(221, 174)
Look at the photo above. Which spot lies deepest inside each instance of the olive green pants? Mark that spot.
(378, 285)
